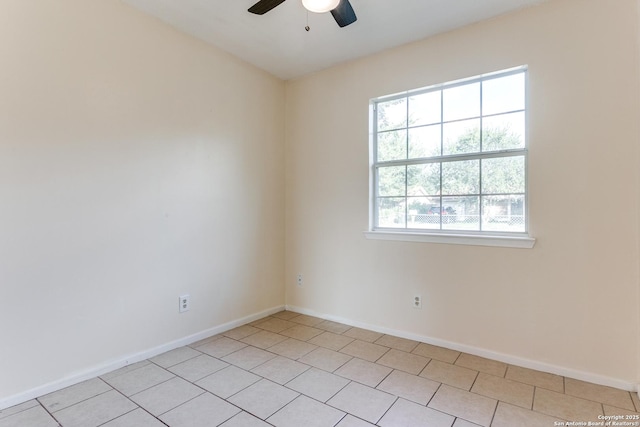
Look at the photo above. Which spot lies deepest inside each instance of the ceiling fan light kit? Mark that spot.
(341, 10)
(320, 6)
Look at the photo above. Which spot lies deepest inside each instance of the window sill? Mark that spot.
(521, 242)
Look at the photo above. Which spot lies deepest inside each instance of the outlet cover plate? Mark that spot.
(185, 303)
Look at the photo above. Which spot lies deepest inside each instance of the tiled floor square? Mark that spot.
(331, 341)
(166, 396)
(221, 347)
(174, 357)
(536, 378)
(198, 367)
(402, 344)
(302, 332)
(565, 407)
(446, 373)
(204, 341)
(124, 370)
(264, 339)
(263, 398)
(241, 332)
(468, 406)
(351, 421)
(363, 334)
(481, 364)
(403, 361)
(244, 419)
(459, 422)
(612, 410)
(292, 348)
(35, 416)
(362, 401)
(306, 412)
(335, 327)
(365, 350)
(228, 381)
(248, 357)
(273, 324)
(136, 418)
(74, 394)
(18, 408)
(409, 387)
(636, 400)
(263, 319)
(280, 370)
(364, 372)
(599, 393)
(303, 319)
(513, 416)
(434, 352)
(318, 384)
(404, 413)
(95, 411)
(140, 379)
(204, 410)
(509, 391)
(325, 359)
(285, 315)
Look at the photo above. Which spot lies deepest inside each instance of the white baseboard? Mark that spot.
(112, 365)
(477, 351)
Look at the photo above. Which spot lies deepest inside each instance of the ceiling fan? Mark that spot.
(341, 10)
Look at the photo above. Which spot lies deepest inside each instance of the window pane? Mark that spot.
(503, 175)
(425, 109)
(391, 181)
(391, 212)
(503, 132)
(423, 180)
(503, 94)
(460, 213)
(424, 141)
(392, 114)
(461, 137)
(461, 102)
(423, 212)
(392, 145)
(461, 177)
(503, 213)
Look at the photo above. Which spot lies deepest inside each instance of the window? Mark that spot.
(452, 158)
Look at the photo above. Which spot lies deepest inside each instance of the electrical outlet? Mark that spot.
(185, 303)
(299, 279)
(417, 302)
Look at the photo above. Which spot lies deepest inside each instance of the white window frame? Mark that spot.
(479, 238)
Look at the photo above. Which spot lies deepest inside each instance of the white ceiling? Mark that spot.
(278, 43)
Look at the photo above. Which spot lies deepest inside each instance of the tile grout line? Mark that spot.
(137, 407)
(495, 411)
(37, 403)
(388, 409)
(46, 410)
(111, 388)
(434, 395)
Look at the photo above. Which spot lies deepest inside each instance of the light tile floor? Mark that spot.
(292, 370)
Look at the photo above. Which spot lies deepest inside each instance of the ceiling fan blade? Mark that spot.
(264, 6)
(344, 14)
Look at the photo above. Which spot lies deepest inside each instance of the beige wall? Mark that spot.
(570, 304)
(136, 164)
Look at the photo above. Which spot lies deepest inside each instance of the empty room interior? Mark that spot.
(201, 222)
